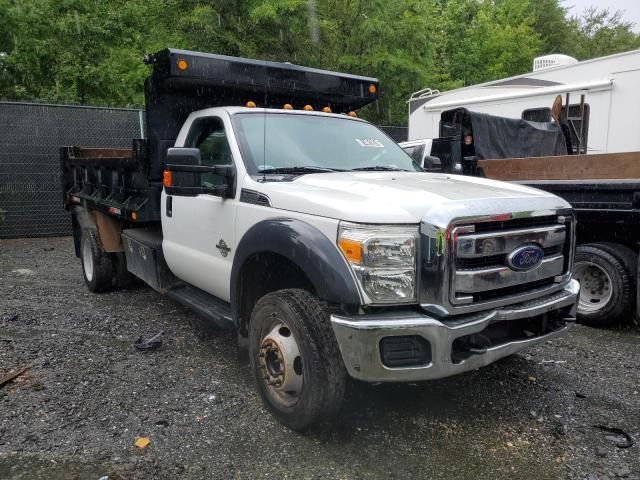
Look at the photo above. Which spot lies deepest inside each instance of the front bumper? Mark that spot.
(359, 337)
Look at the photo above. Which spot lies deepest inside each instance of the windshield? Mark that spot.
(315, 143)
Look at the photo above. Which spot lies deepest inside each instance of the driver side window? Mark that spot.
(208, 135)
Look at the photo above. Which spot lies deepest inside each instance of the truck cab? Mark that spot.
(330, 251)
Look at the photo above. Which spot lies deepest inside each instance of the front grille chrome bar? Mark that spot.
(504, 242)
(483, 280)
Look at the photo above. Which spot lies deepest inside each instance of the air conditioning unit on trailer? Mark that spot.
(549, 61)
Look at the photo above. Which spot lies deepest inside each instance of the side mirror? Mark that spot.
(431, 163)
(185, 171)
(180, 157)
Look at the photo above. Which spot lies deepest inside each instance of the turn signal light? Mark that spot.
(134, 216)
(182, 65)
(308, 108)
(250, 104)
(167, 178)
(372, 89)
(351, 249)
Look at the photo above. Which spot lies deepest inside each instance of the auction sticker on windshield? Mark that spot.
(369, 142)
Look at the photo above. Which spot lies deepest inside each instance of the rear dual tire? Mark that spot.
(102, 271)
(607, 275)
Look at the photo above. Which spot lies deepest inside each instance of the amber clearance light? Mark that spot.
(182, 65)
(167, 178)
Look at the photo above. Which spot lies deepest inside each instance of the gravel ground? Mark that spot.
(88, 394)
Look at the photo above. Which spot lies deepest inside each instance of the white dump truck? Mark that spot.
(259, 200)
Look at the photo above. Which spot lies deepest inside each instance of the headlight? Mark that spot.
(383, 258)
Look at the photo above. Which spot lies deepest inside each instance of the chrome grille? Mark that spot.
(478, 259)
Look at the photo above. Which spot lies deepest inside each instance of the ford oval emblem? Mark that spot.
(526, 257)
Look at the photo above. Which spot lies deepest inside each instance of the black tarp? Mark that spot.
(499, 137)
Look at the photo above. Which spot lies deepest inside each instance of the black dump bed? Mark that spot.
(127, 183)
(604, 208)
(603, 189)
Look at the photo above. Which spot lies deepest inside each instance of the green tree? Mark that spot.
(601, 32)
(74, 51)
(549, 21)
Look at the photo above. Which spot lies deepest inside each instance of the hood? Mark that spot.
(402, 197)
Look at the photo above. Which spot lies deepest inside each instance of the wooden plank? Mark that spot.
(605, 166)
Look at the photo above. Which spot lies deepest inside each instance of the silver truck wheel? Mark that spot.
(280, 364)
(87, 258)
(595, 286)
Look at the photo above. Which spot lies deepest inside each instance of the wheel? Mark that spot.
(96, 265)
(629, 259)
(295, 358)
(606, 287)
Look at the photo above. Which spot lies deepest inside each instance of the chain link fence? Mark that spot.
(31, 135)
(398, 133)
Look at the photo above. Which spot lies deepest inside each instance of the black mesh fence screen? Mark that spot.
(397, 133)
(31, 135)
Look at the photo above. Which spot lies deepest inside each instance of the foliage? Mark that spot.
(75, 51)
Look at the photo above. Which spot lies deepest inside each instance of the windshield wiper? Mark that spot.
(298, 170)
(379, 168)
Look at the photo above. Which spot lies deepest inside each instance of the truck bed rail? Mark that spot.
(111, 180)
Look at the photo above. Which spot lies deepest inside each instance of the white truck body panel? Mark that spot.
(321, 199)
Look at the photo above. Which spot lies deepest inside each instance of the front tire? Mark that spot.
(295, 358)
(606, 286)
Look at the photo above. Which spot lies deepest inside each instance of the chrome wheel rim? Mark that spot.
(280, 365)
(87, 259)
(595, 287)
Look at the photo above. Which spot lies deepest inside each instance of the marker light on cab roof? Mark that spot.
(287, 106)
(352, 114)
(308, 108)
(326, 109)
(250, 104)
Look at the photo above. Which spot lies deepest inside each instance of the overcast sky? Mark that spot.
(631, 8)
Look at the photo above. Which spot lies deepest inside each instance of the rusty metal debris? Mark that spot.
(11, 376)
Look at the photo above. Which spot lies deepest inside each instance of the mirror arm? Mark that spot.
(222, 170)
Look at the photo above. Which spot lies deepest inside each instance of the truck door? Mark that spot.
(199, 231)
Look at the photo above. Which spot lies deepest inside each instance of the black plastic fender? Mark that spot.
(308, 248)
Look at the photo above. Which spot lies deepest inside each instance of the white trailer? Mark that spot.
(609, 85)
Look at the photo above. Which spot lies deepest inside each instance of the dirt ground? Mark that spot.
(88, 394)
